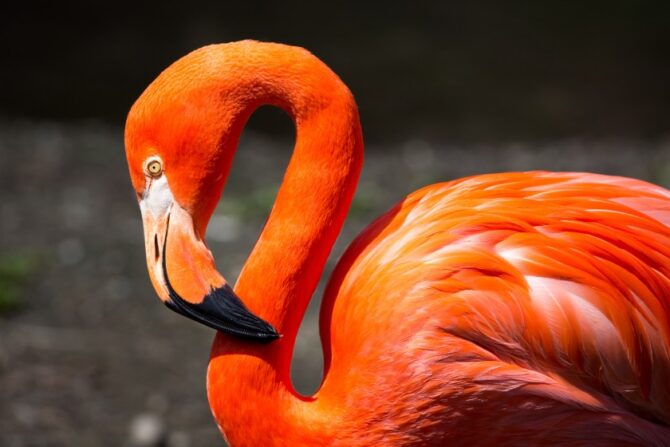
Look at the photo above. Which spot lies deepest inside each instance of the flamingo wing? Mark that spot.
(530, 301)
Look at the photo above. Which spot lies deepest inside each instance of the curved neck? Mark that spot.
(249, 383)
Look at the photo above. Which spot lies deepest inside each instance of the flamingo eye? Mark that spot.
(154, 168)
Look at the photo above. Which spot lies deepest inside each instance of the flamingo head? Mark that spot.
(180, 138)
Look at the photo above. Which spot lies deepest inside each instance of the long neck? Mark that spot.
(249, 383)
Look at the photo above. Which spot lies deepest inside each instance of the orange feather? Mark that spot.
(505, 309)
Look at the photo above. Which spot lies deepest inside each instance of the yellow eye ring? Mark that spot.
(154, 168)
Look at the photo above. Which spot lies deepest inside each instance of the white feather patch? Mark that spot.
(157, 197)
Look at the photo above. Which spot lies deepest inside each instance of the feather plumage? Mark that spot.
(543, 295)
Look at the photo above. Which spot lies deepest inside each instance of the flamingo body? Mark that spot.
(533, 302)
(504, 309)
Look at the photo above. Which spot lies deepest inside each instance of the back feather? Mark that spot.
(563, 277)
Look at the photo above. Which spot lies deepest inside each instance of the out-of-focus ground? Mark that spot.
(89, 357)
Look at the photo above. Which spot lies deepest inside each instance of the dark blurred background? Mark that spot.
(88, 357)
(458, 70)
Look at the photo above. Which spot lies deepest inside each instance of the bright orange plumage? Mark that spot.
(536, 301)
(506, 309)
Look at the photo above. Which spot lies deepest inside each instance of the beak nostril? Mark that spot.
(156, 250)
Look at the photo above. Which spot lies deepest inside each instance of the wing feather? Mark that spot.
(566, 274)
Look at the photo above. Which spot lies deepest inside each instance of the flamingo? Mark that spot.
(527, 308)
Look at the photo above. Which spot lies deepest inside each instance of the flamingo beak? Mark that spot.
(183, 273)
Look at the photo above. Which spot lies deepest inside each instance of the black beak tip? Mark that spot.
(222, 309)
(270, 334)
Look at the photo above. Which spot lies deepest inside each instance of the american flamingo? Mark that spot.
(523, 308)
